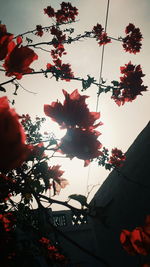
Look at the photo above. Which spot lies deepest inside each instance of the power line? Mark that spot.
(102, 56)
(100, 76)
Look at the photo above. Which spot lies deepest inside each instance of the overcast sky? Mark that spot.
(121, 124)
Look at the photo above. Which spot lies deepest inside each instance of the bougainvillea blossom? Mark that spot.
(101, 35)
(12, 138)
(55, 173)
(132, 41)
(73, 112)
(131, 84)
(60, 70)
(5, 39)
(138, 240)
(58, 52)
(49, 11)
(19, 59)
(52, 251)
(7, 220)
(36, 151)
(82, 144)
(59, 37)
(117, 158)
(39, 31)
(66, 13)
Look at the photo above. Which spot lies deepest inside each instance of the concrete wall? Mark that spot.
(78, 228)
(129, 195)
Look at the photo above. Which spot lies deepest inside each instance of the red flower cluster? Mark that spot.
(59, 36)
(49, 11)
(66, 13)
(54, 172)
(12, 138)
(52, 251)
(73, 112)
(18, 59)
(7, 221)
(131, 84)
(5, 39)
(82, 144)
(132, 41)
(58, 183)
(138, 240)
(100, 35)
(58, 52)
(25, 118)
(60, 70)
(81, 138)
(39, 30)
(117, 157)
(36, 151)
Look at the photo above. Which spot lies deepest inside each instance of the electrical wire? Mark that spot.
(102, 56)
(100, 77)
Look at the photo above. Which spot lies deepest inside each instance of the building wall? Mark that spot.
(126, 196)
(78, 228)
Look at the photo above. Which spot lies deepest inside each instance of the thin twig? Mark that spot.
(9, 81)
(63, 203)
(31, 92)
(44, 28)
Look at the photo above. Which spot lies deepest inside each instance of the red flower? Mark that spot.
(100, 35)
(55, 111)
(117, 158)
(138, 240)
(52, 251)
(82, 144)
(54, 171)
(12, 138)
(103, 39)
(25, 118)
(36, 151)
(7, 220)
(60, 70)
(125, 239)
(39, 30)
(18, 60)
(58, 183)
(59, 36)
(73, 112)
(58, 52)
(132, 41)
(5, 39)
(66, 13)
(131, 84)
(49, 11)
(98, 29)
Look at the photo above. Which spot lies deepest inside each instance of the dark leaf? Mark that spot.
(80, 198)
(2, 89)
